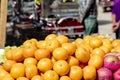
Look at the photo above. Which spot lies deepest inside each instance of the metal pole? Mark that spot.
(42, 8)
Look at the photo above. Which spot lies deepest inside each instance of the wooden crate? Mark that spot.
(3, 20)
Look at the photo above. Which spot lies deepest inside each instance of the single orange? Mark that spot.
(86, 47)
(106, 41)
(98, 51)
(3, 73)
(31, 70)
(44, 64)
(96, 61)
(41, 44)
(69, 47)
(61, 67)
(78, 41)
(95, 42)
(105, 49)
(52, 44)
(17, 54)
(60, 54)
(87, 39)
(65, 78)
(75, 73)
(42, 53)
(82, 55)
(29, 43)
(116, 43)
(50, 36)
(34, 40)
(89, 73)
(17, 70)
(62, 39)
(116, 49)
(72, 61)
(29, 51)
(30, 60)
(8, 64)
(109, 46)
(8, 54)
(50, 75)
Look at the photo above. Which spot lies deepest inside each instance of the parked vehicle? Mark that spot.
(67, 24)
(106, 4)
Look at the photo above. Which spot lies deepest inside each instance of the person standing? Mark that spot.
(116, 18)
(88, 16)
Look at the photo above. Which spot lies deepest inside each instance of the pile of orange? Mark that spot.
(57, 58)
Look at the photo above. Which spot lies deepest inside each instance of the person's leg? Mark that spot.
(96, 27)
(90, 25)
(117, 34)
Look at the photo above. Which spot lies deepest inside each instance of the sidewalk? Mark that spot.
(105, 22)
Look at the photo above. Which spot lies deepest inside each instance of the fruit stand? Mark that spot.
(56, 57)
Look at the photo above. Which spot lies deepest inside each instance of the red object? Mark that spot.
(116, 75)
(67, 26)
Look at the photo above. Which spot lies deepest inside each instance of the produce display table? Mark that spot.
(3, 19)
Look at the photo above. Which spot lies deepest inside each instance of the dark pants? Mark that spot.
(117, 34)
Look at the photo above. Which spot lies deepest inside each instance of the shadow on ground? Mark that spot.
(104, 22)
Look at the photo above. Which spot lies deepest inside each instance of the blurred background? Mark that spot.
(37, 18)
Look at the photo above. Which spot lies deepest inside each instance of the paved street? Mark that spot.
(105, 22)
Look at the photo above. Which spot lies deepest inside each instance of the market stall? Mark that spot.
(56, 57)
(3, 18)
